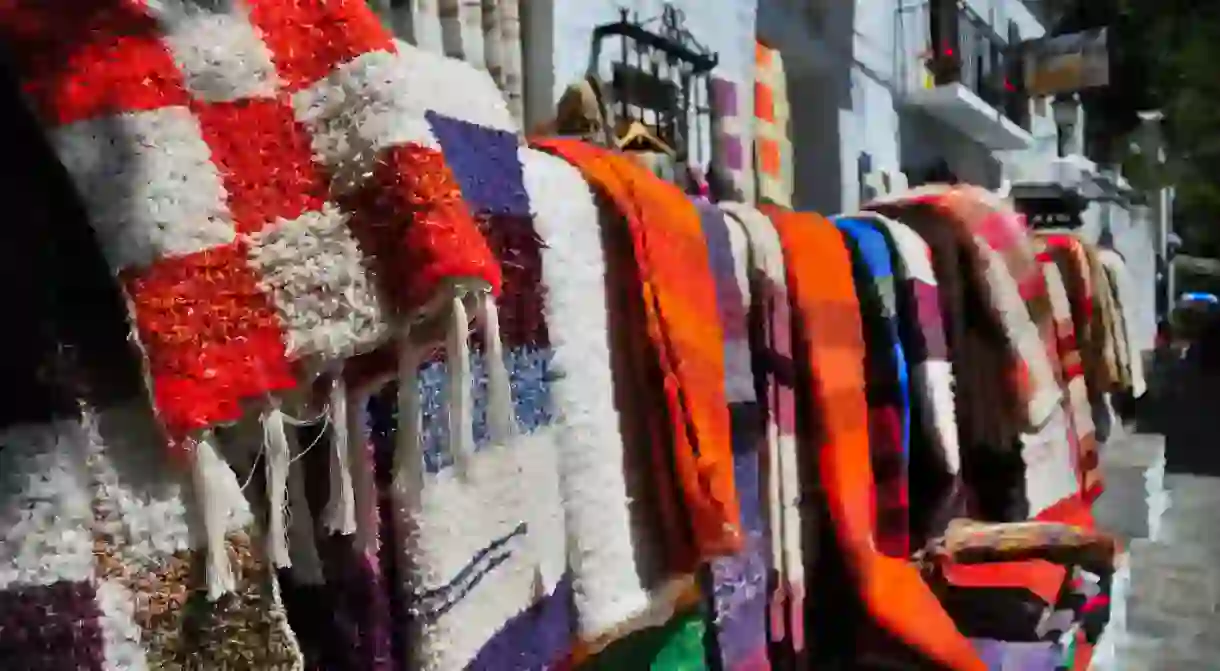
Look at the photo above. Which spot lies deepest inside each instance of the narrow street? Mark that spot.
(1163, 497)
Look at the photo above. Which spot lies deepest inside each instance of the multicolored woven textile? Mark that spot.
(826, 315)
(237, 265)
(886, 384)
(1079, 408)
(739, 582)
(678, 645)
(773, 166)
(936, 487)
(771, 342)
(686, 341)
(1116, 267)
(99, 568)
(1106, 315)
(732, 140)
(970, 542)
(484, 559)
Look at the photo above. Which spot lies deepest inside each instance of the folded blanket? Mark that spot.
(1120, 279)
(685, 338)
(831, 348)
(100, 567)
(1079, 409)
(937, 493)
(739, 582)
(771, 343)
(886, 383)
(242, 271)
(1113, 353)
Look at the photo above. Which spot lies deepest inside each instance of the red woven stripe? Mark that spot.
(265, 159)
(211, 335)
(80, 62)
(308, 39)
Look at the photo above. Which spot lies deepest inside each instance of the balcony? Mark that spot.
(955, 67)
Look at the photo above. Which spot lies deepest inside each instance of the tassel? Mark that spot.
(339, 516)
(501, 414)
(276, 463)
(460, 404)
(363, 488)
(206, 468)
(408, 462)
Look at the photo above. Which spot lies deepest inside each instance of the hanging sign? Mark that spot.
(1067, 63)
(1053, 212)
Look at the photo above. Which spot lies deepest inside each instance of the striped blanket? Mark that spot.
(685, 339)
(830, 365)
(1120, 279)
(886, 383)
(771, 343)
(936, 488)
(739, 582)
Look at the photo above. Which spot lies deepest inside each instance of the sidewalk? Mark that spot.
(1166, 612)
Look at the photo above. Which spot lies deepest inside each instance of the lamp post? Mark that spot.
(1066, 112)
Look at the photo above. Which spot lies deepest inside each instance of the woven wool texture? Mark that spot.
(1080, 410)
(771, 342)
(886, 383)
(772, 146)
(934, 424)
(236, 264)
(826, 313)
(1121, 281)
(610, 585)
(98, 566)
(483, 558)
(685, 339)
(739, 582)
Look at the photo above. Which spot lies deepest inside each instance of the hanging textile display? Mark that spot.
(1120, 280)
(195, 227)
(682, 321)
(773, 166)
(739, 582)
(885, 384)
(462, 30)
(771, 340)
(826, 312)
(732, 141)
(99, 567)
(936, 488)
(502, 47)
(1080, 409)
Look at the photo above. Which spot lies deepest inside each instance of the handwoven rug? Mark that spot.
(484, 559)
(773, 166)
(1080, 412)
(1124, 300)
(732, 140)
(937, 492)
(101, 565)
(686, 340)
(827, 316)
(771, 343)
(886, 384)
(739, 595)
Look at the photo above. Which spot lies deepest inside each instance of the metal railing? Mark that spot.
(943, 42)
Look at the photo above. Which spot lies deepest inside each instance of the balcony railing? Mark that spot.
(943, 42)
(966, 50)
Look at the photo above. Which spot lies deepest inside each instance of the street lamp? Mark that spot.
(1066, 112)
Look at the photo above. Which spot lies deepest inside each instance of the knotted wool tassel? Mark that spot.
(364, 489)
(206, 470)
(277, 457)
(501, 415)
(339, 516)
(460, 404)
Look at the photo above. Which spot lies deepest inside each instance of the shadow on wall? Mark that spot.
(819, 89)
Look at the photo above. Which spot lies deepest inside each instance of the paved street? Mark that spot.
(1166, 612)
